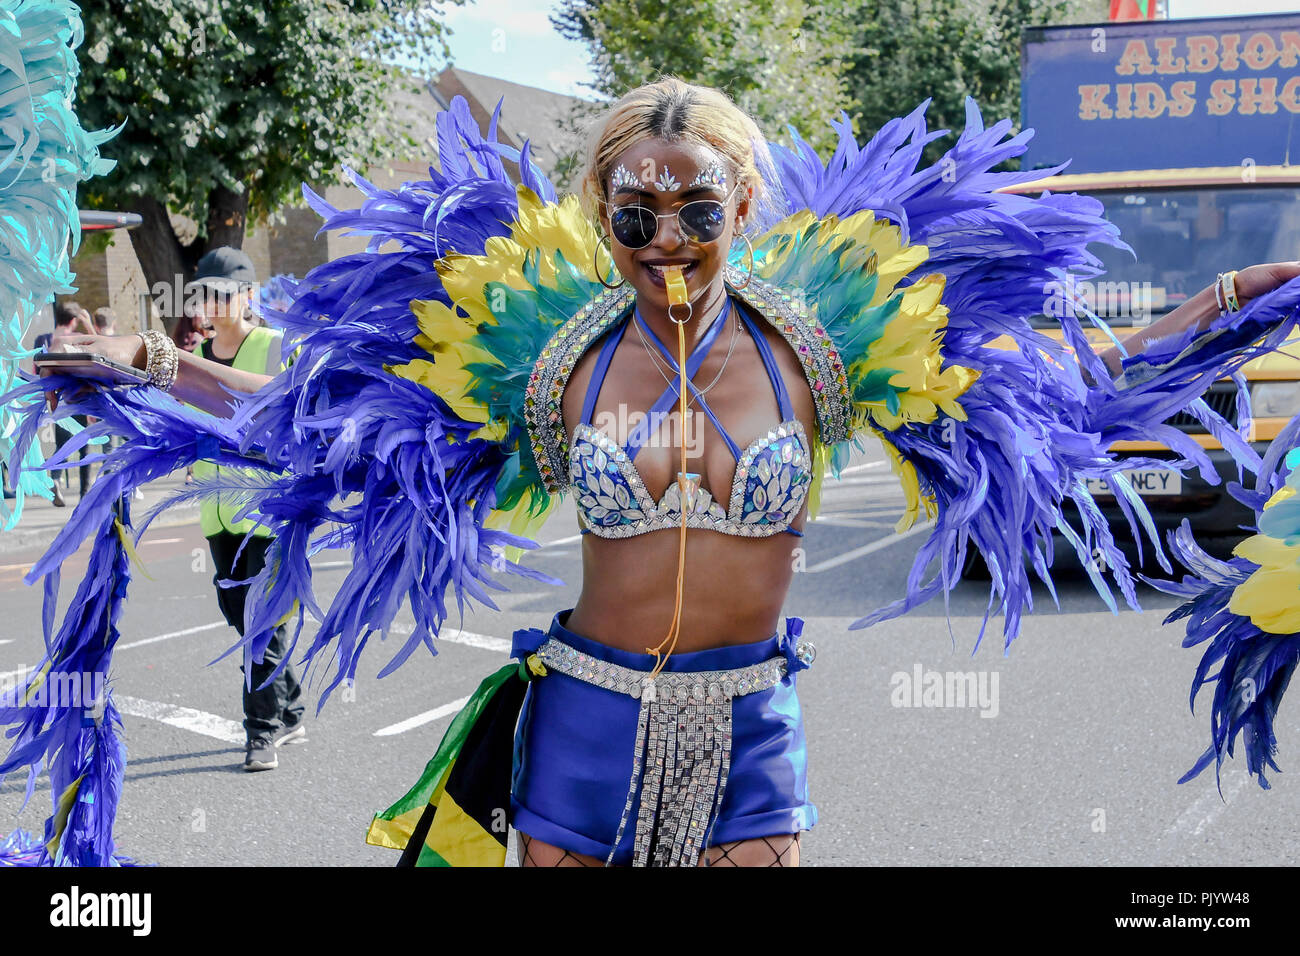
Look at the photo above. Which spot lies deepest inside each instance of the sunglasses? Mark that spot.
(701, 220)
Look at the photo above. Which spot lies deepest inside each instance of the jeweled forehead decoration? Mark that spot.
(714, 175)
(666, 182)
(621, 177)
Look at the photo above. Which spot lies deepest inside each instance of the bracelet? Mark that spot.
(1225, 292)
(161, 360)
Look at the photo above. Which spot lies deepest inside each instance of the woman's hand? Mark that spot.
(1202, 309)
(1254, 281)
(123, 349)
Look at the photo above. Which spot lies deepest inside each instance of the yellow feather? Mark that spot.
(1267, 597)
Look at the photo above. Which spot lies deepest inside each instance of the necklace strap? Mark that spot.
(693, 363)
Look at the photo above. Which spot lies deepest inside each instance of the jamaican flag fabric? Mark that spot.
(456, 814)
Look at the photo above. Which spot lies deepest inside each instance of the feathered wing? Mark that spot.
(62, 714)
(400, 424)
(993, 427)
(1246, 613)
(44, 154)
(63, 711)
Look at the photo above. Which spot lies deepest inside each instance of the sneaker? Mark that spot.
(261, 755)
(297, 734)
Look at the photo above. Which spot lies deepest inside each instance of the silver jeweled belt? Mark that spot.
(683, 744)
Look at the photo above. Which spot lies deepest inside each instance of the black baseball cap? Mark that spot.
(224, 269)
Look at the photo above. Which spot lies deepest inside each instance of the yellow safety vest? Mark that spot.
(216, 515)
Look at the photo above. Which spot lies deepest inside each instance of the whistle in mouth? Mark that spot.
(676, 285)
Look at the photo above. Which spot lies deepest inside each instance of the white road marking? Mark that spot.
(872, 548)
(126, 647)
(864, 480)
(25, 566)
(568, 540)
(856, 522)
(481, 641)
(186, 718)
(162, 541)
(865, 467)
(168, 637)
(419, 720)
(7, 640)
(1203, 811)
(884, 511)
(331, 565)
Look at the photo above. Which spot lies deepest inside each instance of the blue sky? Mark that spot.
(514, 40)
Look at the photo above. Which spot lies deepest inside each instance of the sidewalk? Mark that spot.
(41, 521)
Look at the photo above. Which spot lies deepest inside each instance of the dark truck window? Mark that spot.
(1183, 238)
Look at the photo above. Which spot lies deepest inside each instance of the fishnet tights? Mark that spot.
(780, 850)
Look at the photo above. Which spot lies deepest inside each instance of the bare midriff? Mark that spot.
(733, 592)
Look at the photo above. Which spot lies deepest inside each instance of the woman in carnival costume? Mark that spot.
(428, 425)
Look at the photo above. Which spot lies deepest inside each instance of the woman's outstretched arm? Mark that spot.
(1201, 309)
(200, 382)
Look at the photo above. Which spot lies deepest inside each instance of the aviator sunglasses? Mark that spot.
(701, 220)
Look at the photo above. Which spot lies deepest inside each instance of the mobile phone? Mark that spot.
(91, 365)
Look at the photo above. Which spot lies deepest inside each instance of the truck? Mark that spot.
(1183, 130)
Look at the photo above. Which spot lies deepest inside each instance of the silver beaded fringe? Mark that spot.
(683, 746)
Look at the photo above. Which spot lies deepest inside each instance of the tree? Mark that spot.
(906, 51)
(226, 107)
(790, 61)
(780, 60)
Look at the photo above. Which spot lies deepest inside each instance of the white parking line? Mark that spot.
(872, 548)
(419, 720)
(186, 718)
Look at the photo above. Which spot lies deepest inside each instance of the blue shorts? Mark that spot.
(573, 755)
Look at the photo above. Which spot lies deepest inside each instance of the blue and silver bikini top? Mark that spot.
(772, 474)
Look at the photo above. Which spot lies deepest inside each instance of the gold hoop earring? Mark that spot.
(596, 265)
(750, 277)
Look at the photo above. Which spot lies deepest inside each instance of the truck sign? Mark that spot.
(1211, 92)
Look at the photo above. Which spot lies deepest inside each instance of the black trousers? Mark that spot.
(278, 704)
(61, 437)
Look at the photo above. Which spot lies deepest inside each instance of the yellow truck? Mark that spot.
(1185, 226)
(1183, 129)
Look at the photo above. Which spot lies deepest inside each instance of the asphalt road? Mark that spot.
(1087, 727)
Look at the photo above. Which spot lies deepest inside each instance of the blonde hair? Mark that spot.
(673, 110)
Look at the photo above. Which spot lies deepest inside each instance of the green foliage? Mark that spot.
(788, 61)
(780, 60)
(909, 50)
(249, 96)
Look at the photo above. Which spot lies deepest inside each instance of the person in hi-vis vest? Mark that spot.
(273, 714)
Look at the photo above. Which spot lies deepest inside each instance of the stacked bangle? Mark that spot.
(1225, 292)
(161, 361)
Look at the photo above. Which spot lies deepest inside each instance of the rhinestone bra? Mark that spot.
(771, 480)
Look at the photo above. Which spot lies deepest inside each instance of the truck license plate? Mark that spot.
(1147, 482)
